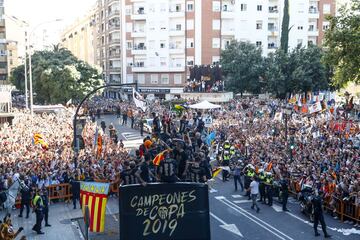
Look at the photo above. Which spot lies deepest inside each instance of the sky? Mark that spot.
(37, 11)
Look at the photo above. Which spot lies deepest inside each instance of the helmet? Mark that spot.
(268, 174)
(226, 152)
(252, 167)
(232, 148)
(261, 170)
(227, 141)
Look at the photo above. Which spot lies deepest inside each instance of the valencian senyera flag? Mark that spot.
(94, 195)
(39, 139)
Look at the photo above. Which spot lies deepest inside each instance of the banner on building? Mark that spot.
(94, 195)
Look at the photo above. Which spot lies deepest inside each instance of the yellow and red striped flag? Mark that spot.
(94, 195)
(159, 158)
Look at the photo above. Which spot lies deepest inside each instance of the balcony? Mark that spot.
(313, 32)
(313, 13)
(175, 32)
(139, 50)
(171, 68)
(114, 28)
(228, 32)
(273, 31)
(138, 33)
(227, 14)
(273, 12)
(114, 56)
(114, 13)
(114, 41)
(176, 14)
(176, 50)
(114, 69)
(139, 14)
(272, 46)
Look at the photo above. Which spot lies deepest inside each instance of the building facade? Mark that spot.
(3, 44)
(12, 56)
(79, 38)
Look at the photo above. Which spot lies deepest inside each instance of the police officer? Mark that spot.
(167, 169)
(39, 211)
(262, 186)
(45, 200)
(226, 163)
(269, 188)
(227, 146)
(142, 125)
(250, 173)
(75, 189)
(318, 215)
(25, 199)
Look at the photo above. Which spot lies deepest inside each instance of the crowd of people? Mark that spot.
(247, 139)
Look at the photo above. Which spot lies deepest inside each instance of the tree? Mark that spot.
(284, 41)
(242, 67)
(343, 42)
(58, 76)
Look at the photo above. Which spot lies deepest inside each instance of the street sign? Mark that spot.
(162, 211)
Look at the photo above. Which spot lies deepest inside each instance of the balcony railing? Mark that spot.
(113, 13)
(272, 46)
(139, 12)
(313, 11)
(116, 40)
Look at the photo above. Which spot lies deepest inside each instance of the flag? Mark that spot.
(94, 195)
(292, 100)
(159, 158)
(216, 172)
(269, 167)
(99, 145)
(38, 139)
(139, 101)
(179, 107)
(210, 138)
(316, 107)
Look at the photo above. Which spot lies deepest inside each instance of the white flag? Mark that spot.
(316, 107)
(139, 100)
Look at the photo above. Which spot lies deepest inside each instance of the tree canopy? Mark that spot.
(242, 66)
(342, 40)
(58, 76)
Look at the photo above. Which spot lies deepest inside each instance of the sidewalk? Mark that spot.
(60, 218)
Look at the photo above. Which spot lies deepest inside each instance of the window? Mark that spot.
(151, 26)
(216, 6)
(311, 28)
(152, 8)
(190, 43)
(300, 27)
(216, 24)
(216, 42)
(178, 27)
(154, 79)
(129, 62)
(162, 25)
(258, 43)
(128, 45)
(259, 25)
(327, 9)
(128, 10)
(162, 44)
(243, 7)
(325, 26)
(177, 79)
(128, 27)
(259, 8)
(190, 61)
(151, 44)
(163, 62)
(10, 53)
(129, 78)
(141, 78)
(164, 78)
(190, 7)
(215, 59)
(178, 8)
(190, 24)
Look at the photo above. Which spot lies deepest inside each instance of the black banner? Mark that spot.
(178, 211)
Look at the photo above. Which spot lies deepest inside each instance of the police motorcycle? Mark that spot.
(305, 198)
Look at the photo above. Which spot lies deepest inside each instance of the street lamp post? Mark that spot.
(287, 112)
(30, 62)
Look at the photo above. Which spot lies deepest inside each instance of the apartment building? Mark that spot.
(12, 56)
(79, 38)
(3, 43)
(162, 38)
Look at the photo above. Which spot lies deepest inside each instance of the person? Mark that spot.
(124, 118)
(39, 211)
(156, 128)
(103, 126)
(143, 173)
(237, 176)
(45, 200)
(167, 169)
(254, 191)
(318, 215)
(250, 172)
(75, 189)
(142, 125)
(128, 175)
(25, 199)
(285, 193)
(262, 185)
(269, 188)
(226, 164)
(196, 172)
(132, 118)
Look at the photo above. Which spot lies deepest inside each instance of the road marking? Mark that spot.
(345, 231)
(277, 208)
(229, 227)
(242, 201)
(212, 190)
(236, 196)
(254, 219)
